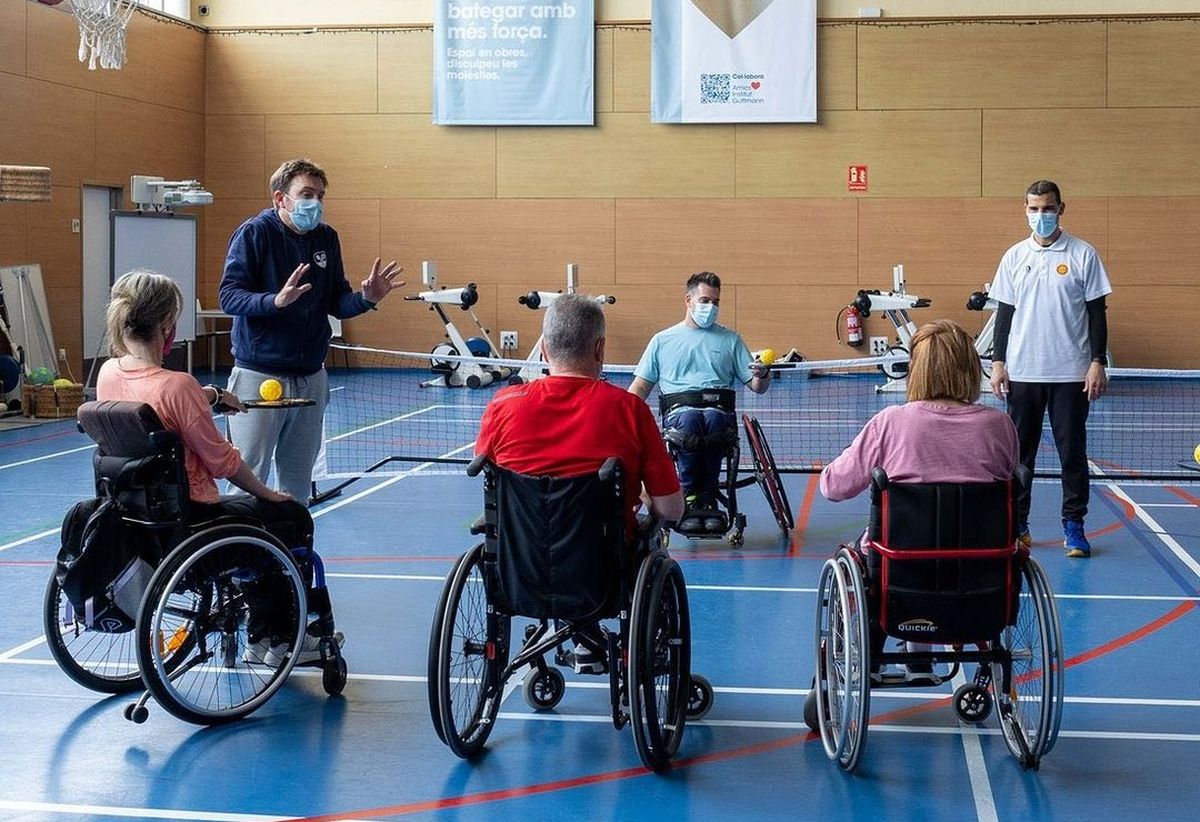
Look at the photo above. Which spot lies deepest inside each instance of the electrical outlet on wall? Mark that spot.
(508, 339)
(62, 355)
(879, 346)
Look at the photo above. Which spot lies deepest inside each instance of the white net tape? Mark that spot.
(102, 31)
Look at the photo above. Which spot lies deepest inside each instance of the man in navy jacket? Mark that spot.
(283, 276)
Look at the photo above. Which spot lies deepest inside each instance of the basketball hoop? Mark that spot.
(102, 31)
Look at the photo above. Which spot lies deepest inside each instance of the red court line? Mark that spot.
(1107, 529)
(42, 438)
(717, 756)
(1184, 495)
(803, 515)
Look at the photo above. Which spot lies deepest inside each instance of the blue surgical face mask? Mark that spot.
(1043, 223)
(306, 213)
(704, 314)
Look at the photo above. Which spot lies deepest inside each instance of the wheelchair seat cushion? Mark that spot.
(559, 545)
(956, 598)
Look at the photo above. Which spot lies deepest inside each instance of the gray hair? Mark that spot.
(573, 324)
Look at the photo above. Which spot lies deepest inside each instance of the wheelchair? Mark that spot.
(944, 566)
(554, 551)
(181, 630)
(765, 475)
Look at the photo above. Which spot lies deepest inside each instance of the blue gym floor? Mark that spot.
(1129, 746)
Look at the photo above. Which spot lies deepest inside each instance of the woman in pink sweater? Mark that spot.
(142, 313)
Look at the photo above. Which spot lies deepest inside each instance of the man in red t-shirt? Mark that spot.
(569, 423)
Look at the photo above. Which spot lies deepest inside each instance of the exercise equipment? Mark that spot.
(453, 362)
(894, 305)
(534, 300)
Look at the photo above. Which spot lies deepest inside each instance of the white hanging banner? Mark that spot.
(734, 61)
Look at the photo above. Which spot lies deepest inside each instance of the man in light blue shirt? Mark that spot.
(696, 365)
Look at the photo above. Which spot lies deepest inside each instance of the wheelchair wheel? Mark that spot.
(843, 660)
(100, 661)
(700, 699)
(1029, 700)
(208, 589)
(471, 650)
(543, 690)
(659, 681)
(768, 475)
(972, 702)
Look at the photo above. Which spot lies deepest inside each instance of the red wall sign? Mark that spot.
(856, 178)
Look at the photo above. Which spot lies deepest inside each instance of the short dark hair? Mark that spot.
(1044, 187)
(703, 278)
(283, 176)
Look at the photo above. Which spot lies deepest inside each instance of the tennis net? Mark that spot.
(390, 409)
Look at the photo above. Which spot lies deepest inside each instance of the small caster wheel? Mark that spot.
(543, 690)
(972, 703)
(136, 714)
(333, 677)
(810, 708)
(700, 698)
(737, 539)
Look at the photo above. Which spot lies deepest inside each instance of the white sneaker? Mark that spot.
(310, 649)
(257, 653)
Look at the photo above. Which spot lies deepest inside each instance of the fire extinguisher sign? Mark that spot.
(856, 178)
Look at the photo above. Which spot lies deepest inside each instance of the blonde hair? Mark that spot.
(139, 304)
(943, 364)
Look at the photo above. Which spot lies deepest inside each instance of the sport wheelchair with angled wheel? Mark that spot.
(715, 514)
(209, 615)
(943, 566)
(555, 551)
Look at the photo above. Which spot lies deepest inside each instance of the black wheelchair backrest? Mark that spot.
(558, 544)
(944, 557)
(138, 463)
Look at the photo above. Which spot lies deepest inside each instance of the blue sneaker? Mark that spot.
(1023, 535)
(1074, 539)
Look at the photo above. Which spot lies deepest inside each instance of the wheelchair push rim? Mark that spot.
(202, 591)
(471, 654)
(98, 660)
(842, 661)
(659, 680)
(767, 475)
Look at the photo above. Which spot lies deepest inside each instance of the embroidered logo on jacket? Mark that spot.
(320, 259)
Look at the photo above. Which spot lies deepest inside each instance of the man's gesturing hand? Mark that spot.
(292, 289)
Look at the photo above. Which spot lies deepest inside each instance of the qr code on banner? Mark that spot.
(714, 88)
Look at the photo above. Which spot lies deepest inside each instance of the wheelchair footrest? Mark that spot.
(904, 679)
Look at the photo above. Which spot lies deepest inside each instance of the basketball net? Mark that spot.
(102, 31)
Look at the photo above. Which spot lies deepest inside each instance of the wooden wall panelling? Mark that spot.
(164, 61)
(604, 72)
(641, 311)
(1154, 241)
(56, 128)
(981, 65)
(388, 155)
(755, 241)
(357, 224)
(1153, 63)
(625, 155)
(222, 218)
(786, 316)
(12, 37)
(323, 73)
(513, 244)
(405, 72)
(141, 138)
(12, 233)
(954, 240)
(908, 153)
(631, 70)
(407, 325)
(1093, 152)
(235, 162)
(51, 244)
(837, 68)
(1135, 332)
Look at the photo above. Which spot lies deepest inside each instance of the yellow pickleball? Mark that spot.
(1196, 453)
(767, 356)
(270, 390)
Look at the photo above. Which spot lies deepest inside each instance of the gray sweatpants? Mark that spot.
(290, 436)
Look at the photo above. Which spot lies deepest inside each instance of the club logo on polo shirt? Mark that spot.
(320, 259)
(1062, 269)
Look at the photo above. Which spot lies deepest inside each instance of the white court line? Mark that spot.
(48, 456)
(1168, 540)
(31, 538)
(20, 649)
(144, 813)
(981, 783)
(390, 481)
(381, 424)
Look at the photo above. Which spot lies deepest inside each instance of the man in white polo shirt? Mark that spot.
(1050, 344)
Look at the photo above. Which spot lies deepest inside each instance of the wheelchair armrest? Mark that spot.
(476, 466)
(606, 470)
(879, 479)
(479, 526)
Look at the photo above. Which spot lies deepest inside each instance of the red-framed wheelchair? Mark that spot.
(942, 567)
